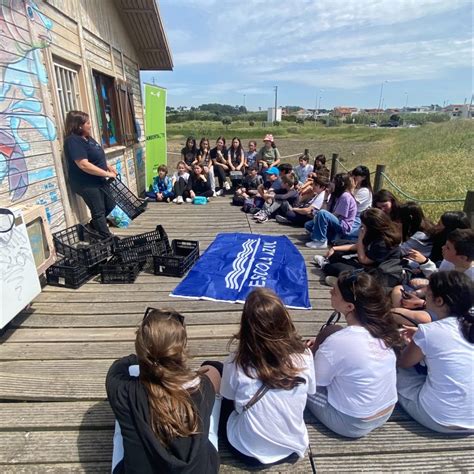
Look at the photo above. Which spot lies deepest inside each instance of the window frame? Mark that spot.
(63, 66)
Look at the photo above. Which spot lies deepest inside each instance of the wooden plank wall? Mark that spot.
(87, 33)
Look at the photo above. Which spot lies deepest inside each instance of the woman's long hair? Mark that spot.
(379, 226)
(161, 351)
(268, 341)
(450, 220)
(75, 120)
(413, 220)
(235, 153)
(457, 291)
(372, 306)
(342, 183)
(365, 173)
(384, 196)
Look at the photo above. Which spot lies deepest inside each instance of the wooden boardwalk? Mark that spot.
(54, 416)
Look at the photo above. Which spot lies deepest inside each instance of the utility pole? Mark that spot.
(276, 102)
(244, 100)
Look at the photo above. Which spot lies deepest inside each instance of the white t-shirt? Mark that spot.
(448, 393)
(447, 266)
(317, 201)
(273, 428)
(359, 372)
(363, 198)
(176, 176)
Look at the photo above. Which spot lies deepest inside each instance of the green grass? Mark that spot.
(434, 161)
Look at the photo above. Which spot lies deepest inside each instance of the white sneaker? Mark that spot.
(220, 192)
(175, 200)
(320, 261)
(315, 244)
(330, 281)
(179, 200)
(189, 200)
(227, 186)
(258, 215)
(214, 194)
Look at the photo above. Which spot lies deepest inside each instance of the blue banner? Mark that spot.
(235, 264)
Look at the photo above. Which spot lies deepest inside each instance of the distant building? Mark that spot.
(344, 112)
(274, 116)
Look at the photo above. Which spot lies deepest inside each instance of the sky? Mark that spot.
(320, 53)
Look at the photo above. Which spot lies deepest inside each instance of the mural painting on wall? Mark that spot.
(24, 31)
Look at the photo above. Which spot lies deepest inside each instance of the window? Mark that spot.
(127, 113)
(106, 109)
(115, 111)
(67, 88)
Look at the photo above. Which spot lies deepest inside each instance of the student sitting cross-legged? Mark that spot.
(377, 250)
(198, 184)
(442, 396)
(161, 190)
(164, 409)
(310, 201)
(356, 365)
(458, 252)
(337, 221)
(265, 383)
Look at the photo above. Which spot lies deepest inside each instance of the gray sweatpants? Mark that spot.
(339, 422)
(409, 385)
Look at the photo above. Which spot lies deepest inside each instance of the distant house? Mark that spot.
(458, 111)
(303, 114)
(58, 56)
(344, 112)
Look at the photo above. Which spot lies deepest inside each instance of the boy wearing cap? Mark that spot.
(266, 191)
(268, 155)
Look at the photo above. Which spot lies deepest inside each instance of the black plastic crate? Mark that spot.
(124, 198)
(142, 246)
(68, 273)
(116, 271)
(83, 246)
(184, 255)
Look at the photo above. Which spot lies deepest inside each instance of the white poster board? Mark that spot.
(19, 282)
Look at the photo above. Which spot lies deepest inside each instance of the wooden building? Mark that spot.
(61, 55)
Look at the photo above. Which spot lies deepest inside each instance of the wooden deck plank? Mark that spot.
(96, 445)
(55, 355)
(83, 415)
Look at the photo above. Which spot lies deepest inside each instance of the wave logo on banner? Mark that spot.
(242, 264)
(235, 264)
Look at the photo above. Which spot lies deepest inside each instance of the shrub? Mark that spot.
(226, 121)
(251, 123)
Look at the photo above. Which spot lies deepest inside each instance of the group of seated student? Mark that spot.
(210, 172)
(170, 418)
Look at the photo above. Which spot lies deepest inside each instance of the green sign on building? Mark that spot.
(155, 130)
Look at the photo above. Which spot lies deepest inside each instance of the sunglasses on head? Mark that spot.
(176, 316)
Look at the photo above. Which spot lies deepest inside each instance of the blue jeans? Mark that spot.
(354, 233)
(324, 227)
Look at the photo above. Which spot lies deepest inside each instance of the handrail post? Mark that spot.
(378, 182)
(469, 206)
(334, 165)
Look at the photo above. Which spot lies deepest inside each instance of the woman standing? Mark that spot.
(88, 168)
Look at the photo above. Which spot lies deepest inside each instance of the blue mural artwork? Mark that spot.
(24, 32)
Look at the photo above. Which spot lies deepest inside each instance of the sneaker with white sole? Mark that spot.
(227, 186)
(179, 200)
(316, 244)
(220, 192)
(262, 218)
(214, 194)
(320, 261)
(258, 215)
(330, 281)
(282, 219)
(189, 200)
(175, 200)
